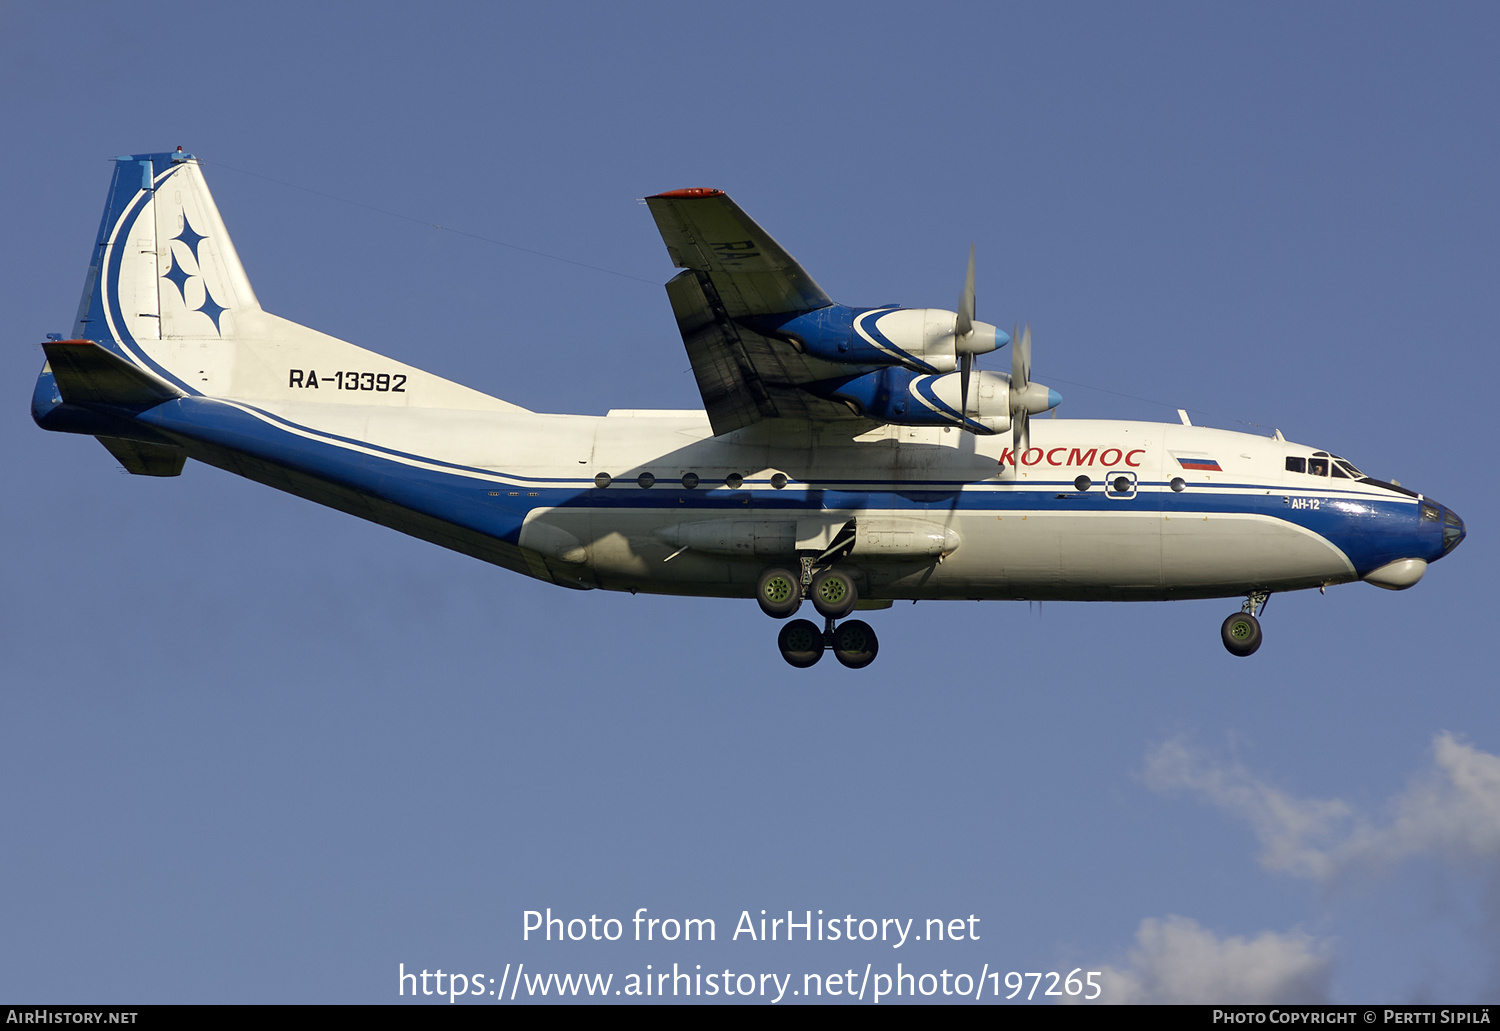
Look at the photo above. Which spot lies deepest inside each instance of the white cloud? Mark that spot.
(1290, 829)
(1177, 961)
(1451, 812)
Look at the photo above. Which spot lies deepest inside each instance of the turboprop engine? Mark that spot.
(926, 340)
(920, 349)
(909, 399)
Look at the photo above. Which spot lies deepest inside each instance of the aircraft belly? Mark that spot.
(621, 549)
(1236, 551)
(1031, 554)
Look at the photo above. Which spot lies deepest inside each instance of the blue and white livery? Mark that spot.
(849, 457)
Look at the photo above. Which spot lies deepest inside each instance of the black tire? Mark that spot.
(1241, 633)
(855, 643)
(801, 643)
(833, 593)
(779, 592)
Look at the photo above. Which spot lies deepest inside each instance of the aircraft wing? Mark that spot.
(707, 232)
(736, 272)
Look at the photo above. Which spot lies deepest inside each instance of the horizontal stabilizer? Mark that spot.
(142, 459)
(88, 374)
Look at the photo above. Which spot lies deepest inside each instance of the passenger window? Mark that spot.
(1296, 465)
(1317, 466)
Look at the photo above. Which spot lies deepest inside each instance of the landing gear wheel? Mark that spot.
(1241, 633)
(855, 644)
(779, 592)
(801, 643)
(833, 594)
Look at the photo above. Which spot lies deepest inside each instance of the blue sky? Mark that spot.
(258, 751)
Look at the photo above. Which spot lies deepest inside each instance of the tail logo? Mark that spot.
(180, 277)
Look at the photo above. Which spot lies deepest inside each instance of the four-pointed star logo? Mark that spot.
(179, 276)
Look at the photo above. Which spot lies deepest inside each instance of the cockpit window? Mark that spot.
(1430, 513)
(1320, 465)
(1453, 531)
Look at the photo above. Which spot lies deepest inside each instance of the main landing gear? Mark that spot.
(1241, 631)
(853, 642)
(780, 593)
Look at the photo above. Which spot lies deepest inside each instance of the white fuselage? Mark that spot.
(937, 514)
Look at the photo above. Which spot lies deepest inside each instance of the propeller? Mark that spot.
(970, 338)
(963, 325)
(1020, 380)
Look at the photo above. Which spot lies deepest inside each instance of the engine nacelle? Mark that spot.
(920, 339)
(910, 399)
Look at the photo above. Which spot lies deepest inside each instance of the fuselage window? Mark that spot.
(1317, 466)
(1296, 465)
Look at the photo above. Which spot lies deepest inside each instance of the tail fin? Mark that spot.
(167, 293)
(164, 267)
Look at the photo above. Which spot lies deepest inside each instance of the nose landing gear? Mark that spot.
(1241, 631)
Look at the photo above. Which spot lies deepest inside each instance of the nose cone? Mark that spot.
(982, 339)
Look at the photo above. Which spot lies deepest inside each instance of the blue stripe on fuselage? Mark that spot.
(1370, 531)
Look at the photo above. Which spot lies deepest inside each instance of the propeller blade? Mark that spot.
(964, 324)
(1020, 361)
(1020, 379)
(963, 383)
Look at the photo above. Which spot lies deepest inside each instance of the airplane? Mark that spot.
(844, 456)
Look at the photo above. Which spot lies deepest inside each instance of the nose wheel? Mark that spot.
(1241, 631)
(853, 642)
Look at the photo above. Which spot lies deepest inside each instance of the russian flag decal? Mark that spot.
(1198, 462)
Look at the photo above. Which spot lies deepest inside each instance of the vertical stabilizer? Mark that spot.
(163, 267)
(203, 289)
(166, 292)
